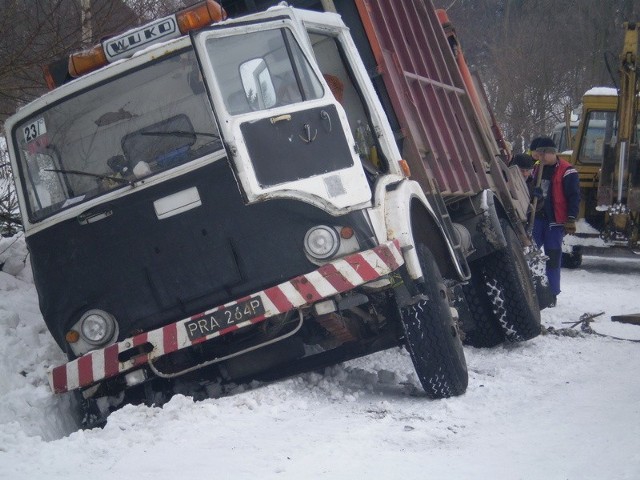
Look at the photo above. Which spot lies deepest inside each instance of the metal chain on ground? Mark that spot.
(585, 328)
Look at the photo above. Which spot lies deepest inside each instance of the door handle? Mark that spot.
(94, 214)
(280, 118)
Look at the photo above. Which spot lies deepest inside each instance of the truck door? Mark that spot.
(286, 135)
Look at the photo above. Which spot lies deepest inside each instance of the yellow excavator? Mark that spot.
(606, 155)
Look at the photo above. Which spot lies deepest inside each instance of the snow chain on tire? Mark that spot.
(511, 290)
(482, 329)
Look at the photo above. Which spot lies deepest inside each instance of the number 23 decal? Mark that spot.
(34, 130)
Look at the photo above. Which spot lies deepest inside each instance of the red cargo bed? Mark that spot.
(443, 138)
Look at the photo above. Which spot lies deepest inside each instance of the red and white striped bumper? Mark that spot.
(336, 277)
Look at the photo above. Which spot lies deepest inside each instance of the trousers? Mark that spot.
(549, 237)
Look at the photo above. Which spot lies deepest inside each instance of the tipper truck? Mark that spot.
(210, 199)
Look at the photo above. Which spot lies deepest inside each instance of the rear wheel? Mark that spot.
(511, 291)
(432, 337)
(481, 328)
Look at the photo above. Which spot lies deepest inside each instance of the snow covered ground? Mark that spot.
(556, 407)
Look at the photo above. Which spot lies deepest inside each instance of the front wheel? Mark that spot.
(432, 337)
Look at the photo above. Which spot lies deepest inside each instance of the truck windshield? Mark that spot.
(103, 138)
(262, 70)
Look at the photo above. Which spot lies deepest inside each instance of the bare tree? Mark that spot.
(151, 9)
(10, 221)
(538, 55)
(37, 32)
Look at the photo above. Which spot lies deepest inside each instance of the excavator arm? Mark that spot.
(619, 185)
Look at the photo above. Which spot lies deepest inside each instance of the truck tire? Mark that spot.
(482, 329)
(432, 337)
(511, 290)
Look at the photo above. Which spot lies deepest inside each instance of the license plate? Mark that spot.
(223, 318)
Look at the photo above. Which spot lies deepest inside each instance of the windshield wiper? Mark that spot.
(88, 174)
(181, 133)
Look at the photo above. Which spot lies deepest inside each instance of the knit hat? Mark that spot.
(545, 143)
(534, 144)
(523, 161)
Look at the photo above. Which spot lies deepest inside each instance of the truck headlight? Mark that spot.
(97, 327)
(321, 242)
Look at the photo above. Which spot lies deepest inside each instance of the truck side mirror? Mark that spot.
(257, 84)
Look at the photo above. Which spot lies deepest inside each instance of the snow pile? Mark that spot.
(27, 407)
(603, 91)
(556, 407)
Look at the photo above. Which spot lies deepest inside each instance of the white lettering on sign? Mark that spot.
(203, 327)
(129, 42)
(224, 317)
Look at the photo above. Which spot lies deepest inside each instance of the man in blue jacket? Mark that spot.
(559, 192)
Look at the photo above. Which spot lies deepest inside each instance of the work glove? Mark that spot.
(570, 226)
(537, 193)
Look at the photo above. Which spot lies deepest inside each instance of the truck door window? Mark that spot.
(336, 72)
(264, 69)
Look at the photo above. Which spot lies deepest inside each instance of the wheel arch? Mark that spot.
(411, 218)
(427, 231)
